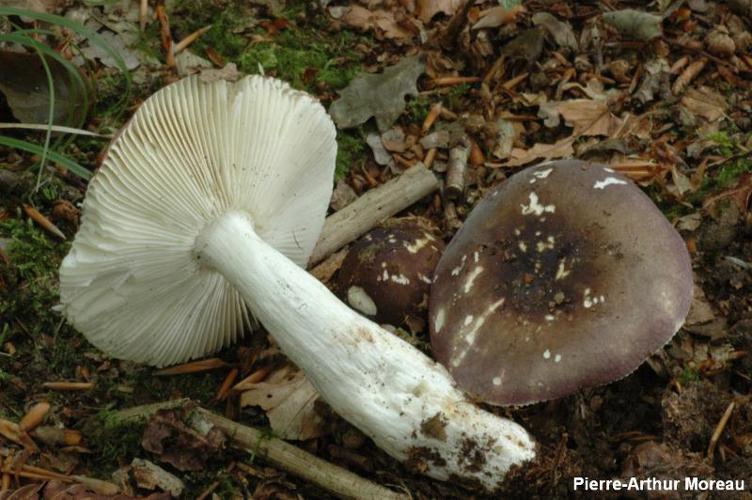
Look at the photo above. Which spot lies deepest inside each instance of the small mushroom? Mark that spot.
(563, 277)
(387, 273)
(203, 212)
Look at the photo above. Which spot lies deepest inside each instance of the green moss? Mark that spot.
(113, 440)
(303, 58)
(228, 22)
(730, 172)
(418, 108)
(31, 277)
(351, 151)
(455, 94)
(302, 54)
(689, 375)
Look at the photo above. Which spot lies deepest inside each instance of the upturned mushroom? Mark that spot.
(565, 276)
(200, 217)
(387, 273)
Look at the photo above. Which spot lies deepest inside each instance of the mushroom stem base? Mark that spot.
(396, 395)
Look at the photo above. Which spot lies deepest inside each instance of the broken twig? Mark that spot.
(372, 208)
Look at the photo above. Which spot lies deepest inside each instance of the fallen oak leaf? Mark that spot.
(289, 400)
(705, 102)
(379, 95)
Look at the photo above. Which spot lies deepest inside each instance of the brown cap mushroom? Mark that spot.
(563, 277)
(387, 273)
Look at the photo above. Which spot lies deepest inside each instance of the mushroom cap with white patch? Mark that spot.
(193, 151)
(387, 273)
(563, 277)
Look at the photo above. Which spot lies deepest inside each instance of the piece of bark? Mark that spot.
(372, 208)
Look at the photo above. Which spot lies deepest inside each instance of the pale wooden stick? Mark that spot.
(719, 429)
(373, 207)
(330, 477)
(456, 170)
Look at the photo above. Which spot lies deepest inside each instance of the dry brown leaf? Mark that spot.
(561, 31)
(559, 149)
(588, 117)
(700, 311)
(498, 16)
(705, 102)
(366, 20)
(429, 8)
(288, 399)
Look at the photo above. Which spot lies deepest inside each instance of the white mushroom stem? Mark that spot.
(404, 401)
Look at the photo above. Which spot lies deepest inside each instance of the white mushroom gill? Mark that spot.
(206, 207)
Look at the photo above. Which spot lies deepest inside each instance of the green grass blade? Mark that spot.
(66, 162)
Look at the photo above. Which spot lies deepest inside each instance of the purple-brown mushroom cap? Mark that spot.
(565, 276)
(387, 273)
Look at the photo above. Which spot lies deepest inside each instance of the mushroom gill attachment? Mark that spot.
(563, 277)
(133, 282)
(387, 273)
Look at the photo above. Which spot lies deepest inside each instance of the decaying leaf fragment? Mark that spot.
(289, 400)
(23, 80)
(560, 149)
(561, 31)
(176, 443)
(498, 16)
(588, 117)
(366, 20)
(381, 95)
(429, 8)
(635, 24)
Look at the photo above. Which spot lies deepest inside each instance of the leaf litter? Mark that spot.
(661, 93)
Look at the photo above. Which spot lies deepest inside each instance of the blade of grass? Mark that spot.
(66, 162)
(54, 128)
(50, 118)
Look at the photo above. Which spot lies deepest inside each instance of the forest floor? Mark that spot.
(661, 93)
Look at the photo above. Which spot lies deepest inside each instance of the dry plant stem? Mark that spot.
(456, 170)
(719, 429)
(448, 81)
(143, 12)
(431, 117)
(69, 386)
(43, 221)
(185, 42)
(373, 207)
(201, 365)
(330, 477)
(224, 390)
(34, 416)
(326, 269)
